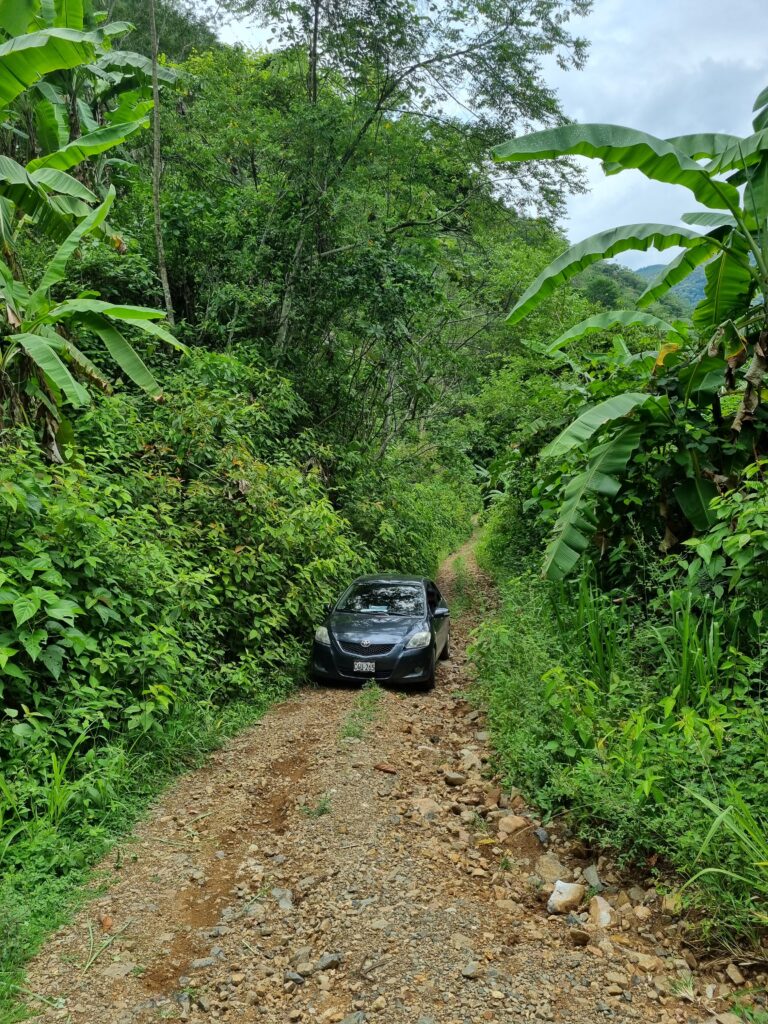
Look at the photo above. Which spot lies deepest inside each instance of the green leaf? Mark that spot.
(53, 659)
(25, 606)
(705, 219)
(756, 192)
(88, 145)
(57, 268)
(703, 144)
(599, 247)
(576, 520)
(628, 149)
(124, 355)
(604, 321)
(17, 15)
(69, 13)
(63, 183)
(730, 286)
(693, 496)
(592, 419)
(740, 154)
(677, 270)
(43, 355)
(126, 59)
(52, 125)
(26, 58)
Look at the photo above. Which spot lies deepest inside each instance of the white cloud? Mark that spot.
(669, 67)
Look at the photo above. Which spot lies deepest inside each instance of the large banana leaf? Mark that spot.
(41, 352)
(124, 354)
(756, 193)
(25, 59)
(703, 144)
(693, 496)
(593, 419)
(125, 59)
(88, 145)
(761, 111)
(604, 321)
(57, 267)
(730, 286)
(51, 124)
(624, 147)
(63, 184)
(69, 13)
(703, 219)
(677, 270)
(17, 15)
(600, 247)
(73, 307)
(576, 521)
(740, 154)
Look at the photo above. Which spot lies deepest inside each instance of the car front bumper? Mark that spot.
(398, 666)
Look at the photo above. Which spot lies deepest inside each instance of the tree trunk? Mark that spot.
(157, 169)
(313, 56)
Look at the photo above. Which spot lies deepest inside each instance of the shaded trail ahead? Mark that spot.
(310, 873)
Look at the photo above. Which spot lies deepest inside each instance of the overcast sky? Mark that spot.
(669, 67)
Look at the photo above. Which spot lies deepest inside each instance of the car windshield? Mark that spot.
(384, 599)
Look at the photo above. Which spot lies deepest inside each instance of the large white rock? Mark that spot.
(565, 896)
(601, 913)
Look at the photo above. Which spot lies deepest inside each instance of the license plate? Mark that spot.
(364, 666)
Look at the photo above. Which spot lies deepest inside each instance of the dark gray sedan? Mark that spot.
(389, 628)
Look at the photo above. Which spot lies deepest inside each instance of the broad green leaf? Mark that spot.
(703, 144)
(677, 270)
(25, 606)
(704, 377)
(591, 420)
(43, 355)
(730, 286)
(57, 268)
(52, 125)
(69, 13)
(626, 147)
(756, 192)
(740, 154)
(703, 219)
(70, 307)
(576, 521)
(604, 321)
(63, 183)
(127, 60)
(16, 16)
(26, 58)
(693, 496)
(88, 145)
(53, 659)
(600, 247)
(124, 355)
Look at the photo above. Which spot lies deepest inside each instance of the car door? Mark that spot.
(439, 622)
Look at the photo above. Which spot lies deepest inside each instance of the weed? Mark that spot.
(323, 806)
(364, 711)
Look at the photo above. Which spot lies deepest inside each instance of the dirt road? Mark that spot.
(345, 861)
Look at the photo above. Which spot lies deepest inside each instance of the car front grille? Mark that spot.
(362, 649)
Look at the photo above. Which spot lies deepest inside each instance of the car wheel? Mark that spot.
(446, 651)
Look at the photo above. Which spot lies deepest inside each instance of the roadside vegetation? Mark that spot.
(256, 342)
(627, 686)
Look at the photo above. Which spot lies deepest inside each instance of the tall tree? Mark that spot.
(157, 168)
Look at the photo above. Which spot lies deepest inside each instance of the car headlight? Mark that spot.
(322, 635)
(421, 639)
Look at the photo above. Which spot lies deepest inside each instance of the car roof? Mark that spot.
(390, 577)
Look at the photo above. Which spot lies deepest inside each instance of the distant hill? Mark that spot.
(617, 287)
(691, 290)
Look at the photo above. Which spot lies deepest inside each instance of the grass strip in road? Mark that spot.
(364, 711)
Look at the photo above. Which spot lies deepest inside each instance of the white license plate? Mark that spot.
(364, 666)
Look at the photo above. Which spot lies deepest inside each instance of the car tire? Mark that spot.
(446, 651)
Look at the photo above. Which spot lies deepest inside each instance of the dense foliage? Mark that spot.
(630, 688)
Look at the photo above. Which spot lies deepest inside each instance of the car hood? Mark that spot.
(376, 628)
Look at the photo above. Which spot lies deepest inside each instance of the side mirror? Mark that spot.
(441, 612)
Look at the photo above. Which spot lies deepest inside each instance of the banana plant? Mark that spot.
(41, 365)
(728, 176)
